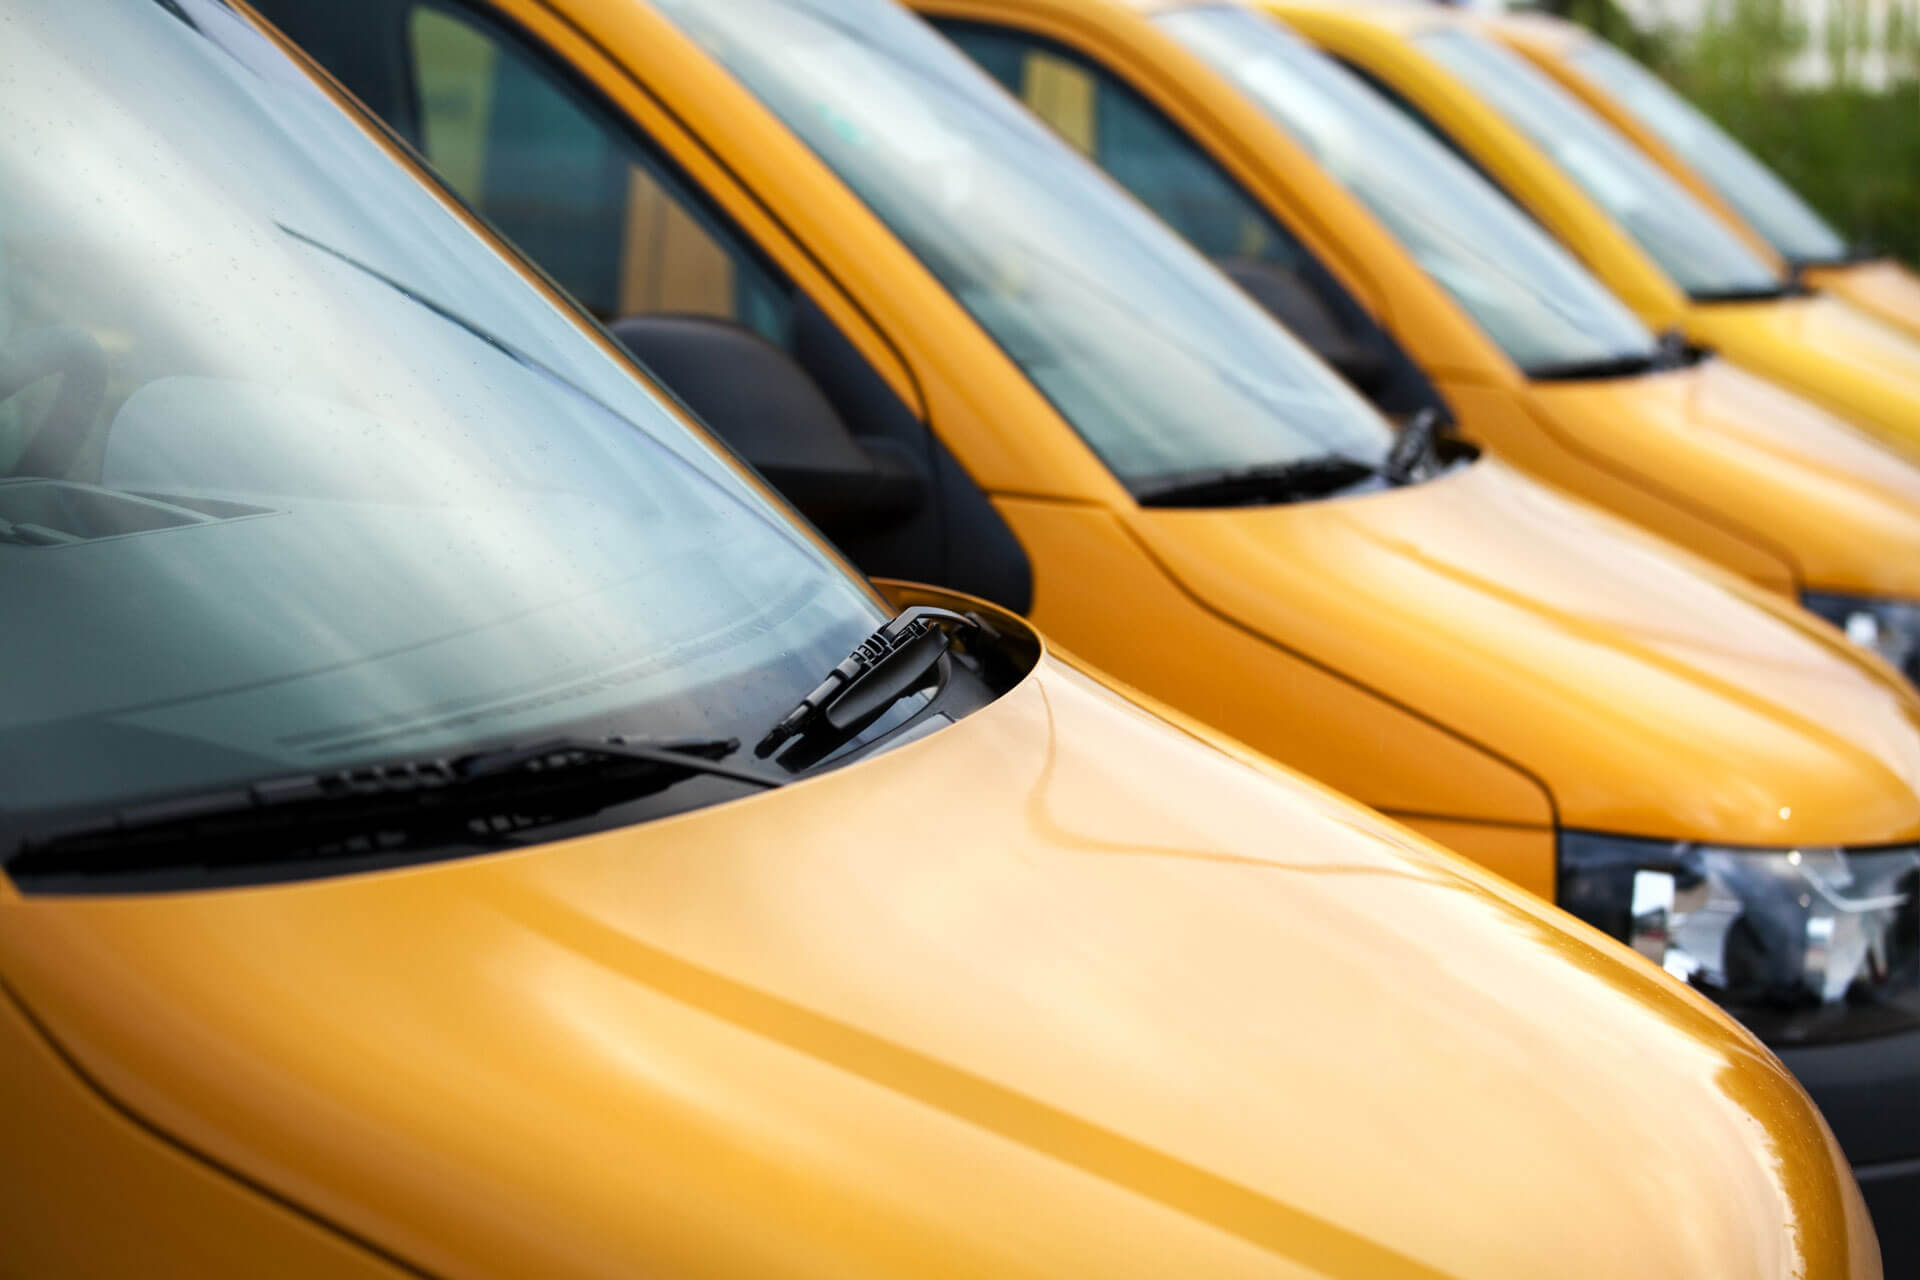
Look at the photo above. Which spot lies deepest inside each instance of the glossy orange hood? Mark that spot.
(1055, 991)
(1771, 466)
(1884, 288)
(1651, 693)
(1833, 353)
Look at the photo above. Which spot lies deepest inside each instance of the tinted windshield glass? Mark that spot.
(1692, 246)
(1540, 306)
(296, 474)
(1770, 205)
(1160, 364)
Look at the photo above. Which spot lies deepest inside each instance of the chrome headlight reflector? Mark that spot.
(1891, 628)
(1802, 945)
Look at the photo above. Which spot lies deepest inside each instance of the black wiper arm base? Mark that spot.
(1413, 448)
(885, 667)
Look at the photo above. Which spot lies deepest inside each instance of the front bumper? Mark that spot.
(1869, 1091)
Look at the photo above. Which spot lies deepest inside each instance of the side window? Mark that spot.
(1120, 131)
(609, 221)
(1111, 124)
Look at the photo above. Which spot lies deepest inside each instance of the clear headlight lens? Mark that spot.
(1802, 945)
(1891, 628)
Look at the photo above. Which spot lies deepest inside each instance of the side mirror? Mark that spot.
(1299, 306)
(761, 402)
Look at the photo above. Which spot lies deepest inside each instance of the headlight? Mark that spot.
(1891, 628)
(1802, 945)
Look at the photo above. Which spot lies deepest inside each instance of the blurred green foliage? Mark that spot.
(1852, 150)
(1853, 154)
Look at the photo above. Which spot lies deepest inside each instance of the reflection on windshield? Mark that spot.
(1540, 306)
(1767, 203)
(1691, 245)
(1160, 364)
(296, 474)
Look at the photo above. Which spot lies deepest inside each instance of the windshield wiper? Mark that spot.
(1678, 352)
(882, 669)
(1671, 350)
(1851, 254)
(1622, 366)
(1415, 450)
(1271, 482)
(1750, 293)
(379, 810)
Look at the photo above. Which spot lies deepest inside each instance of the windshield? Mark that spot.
(1521, 287)
(296, 474)
(1768, 204)
(1690, 244)
(1163, 366)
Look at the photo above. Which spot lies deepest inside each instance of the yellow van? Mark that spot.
(306, 971)
(1091, 425)
(1714, 166)
(1277, 162)
(1658, 248)
(1323, 201)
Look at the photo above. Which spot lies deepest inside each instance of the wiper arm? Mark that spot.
(1676, 351)
(381, 809)
(1413, 451)
(1314, 477)
(885, 667)
(1671, 350)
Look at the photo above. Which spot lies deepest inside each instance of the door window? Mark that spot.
(1526, 292)
(1166, 170)
(582, 191)
(609, 221)
(1144, 151)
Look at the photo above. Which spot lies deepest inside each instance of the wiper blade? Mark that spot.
(1281, 482)
(1627, 366)
(380, 809)
(1671, 350)
(1850, 255)
(885, 667)
(1753, 293)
